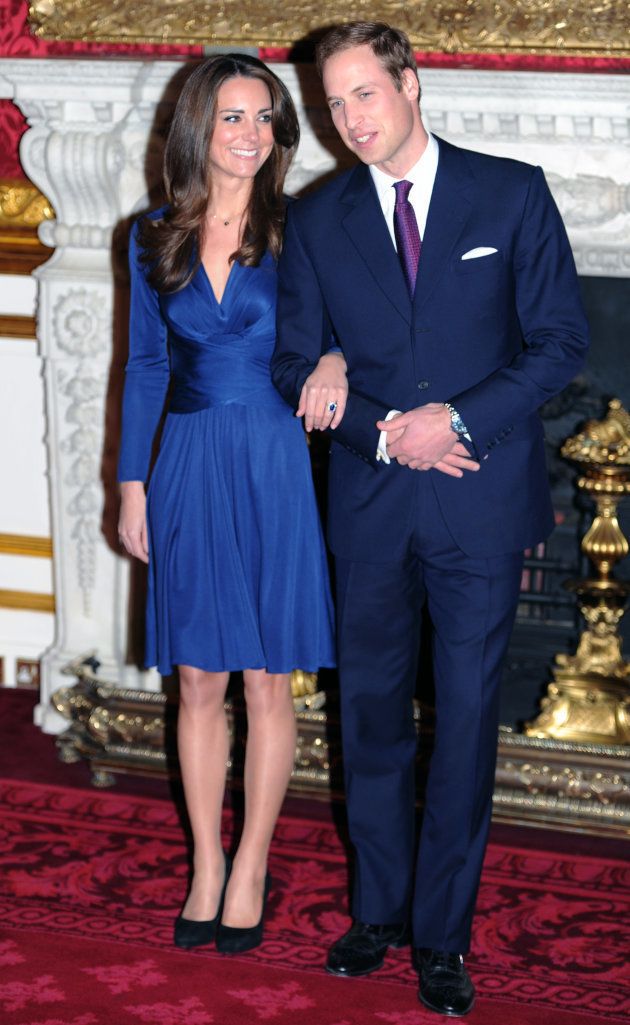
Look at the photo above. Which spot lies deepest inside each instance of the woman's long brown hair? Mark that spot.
(171, 245)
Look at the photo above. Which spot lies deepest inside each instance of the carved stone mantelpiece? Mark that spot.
(93, 148)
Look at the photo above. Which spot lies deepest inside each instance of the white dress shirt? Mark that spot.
(422, 177)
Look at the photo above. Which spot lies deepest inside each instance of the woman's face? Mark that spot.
(243, 137)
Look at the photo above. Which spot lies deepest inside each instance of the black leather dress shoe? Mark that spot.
(362, 949)
(445, 985)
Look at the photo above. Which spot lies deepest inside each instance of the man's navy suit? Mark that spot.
(495, 336)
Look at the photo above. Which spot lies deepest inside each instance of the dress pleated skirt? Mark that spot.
(237, 564)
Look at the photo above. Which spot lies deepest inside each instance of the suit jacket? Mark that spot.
(496, 336)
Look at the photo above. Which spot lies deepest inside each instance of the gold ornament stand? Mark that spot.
(589, 698)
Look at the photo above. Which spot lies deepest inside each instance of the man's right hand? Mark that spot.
(422, 439)
(132, 522)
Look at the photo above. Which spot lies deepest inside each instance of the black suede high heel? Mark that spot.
(234, 940)
(189, 934)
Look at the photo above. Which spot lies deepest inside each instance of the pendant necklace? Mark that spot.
(226, 220)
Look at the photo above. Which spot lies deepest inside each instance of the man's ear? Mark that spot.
(410, 84)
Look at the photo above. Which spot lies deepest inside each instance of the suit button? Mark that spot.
(422, 385)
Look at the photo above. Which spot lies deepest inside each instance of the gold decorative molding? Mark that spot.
(539, 782)
(26, 544)
(602, 442)
(22, 210)
(29, 601)
(448, 26)
(22, 205)
(15, 326)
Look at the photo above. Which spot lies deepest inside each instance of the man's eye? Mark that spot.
(363, 95)
(334, 104)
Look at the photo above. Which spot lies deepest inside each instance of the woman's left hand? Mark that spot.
(324, 394)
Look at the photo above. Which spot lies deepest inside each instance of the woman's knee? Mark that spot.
(201, 690)
(265, 692)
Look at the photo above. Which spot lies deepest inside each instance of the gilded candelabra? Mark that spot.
(589, 698)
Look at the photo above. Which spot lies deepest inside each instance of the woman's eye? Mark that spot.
(265, 118)
(232, 118)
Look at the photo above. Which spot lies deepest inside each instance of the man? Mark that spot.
(447, 280)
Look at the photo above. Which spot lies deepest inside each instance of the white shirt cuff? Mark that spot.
(381, 452)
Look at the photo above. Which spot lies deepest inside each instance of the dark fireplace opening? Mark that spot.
(548, 620)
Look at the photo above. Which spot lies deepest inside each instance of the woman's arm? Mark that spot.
(146, 384)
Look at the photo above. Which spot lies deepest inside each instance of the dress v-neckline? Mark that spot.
(219, 302)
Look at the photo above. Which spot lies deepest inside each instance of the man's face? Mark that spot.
(376, 121)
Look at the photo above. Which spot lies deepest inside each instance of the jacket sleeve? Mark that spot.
(146, 374)
(303, 335)
(552, 321)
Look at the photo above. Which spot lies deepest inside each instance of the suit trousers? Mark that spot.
(472, 604)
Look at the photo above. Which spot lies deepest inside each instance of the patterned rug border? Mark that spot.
(575, 879)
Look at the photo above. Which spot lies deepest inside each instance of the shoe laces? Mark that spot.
(445, 962)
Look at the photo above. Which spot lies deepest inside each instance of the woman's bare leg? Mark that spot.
(203, 747)
(269, 759)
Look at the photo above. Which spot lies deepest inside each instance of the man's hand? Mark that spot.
(454, 463)
(132, 522)
(422, 439)
(327, 384)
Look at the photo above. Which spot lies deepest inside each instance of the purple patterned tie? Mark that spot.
(406, 233)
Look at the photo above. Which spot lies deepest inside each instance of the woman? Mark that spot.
(237, 567)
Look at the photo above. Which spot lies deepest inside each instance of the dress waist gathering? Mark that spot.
(219, 373)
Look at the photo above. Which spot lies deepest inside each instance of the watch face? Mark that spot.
(457, 424)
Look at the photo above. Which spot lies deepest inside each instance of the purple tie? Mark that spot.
(406, 233)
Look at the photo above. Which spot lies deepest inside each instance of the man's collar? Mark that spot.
(423, 170)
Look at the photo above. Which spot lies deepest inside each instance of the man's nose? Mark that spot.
(352, 117)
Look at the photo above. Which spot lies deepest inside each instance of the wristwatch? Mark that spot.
(457, 424)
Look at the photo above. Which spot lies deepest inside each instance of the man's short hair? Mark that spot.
(390, 45)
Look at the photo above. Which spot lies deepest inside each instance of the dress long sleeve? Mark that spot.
(146, 375)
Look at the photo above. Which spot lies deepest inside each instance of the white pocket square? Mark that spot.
(472, 254)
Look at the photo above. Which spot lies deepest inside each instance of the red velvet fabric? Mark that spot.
(496, 61)
(90, 884)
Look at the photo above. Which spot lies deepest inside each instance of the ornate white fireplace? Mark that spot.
(93, 149)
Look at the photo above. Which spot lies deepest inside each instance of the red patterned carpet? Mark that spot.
(90, 883)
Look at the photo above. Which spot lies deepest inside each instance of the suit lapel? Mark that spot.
(449, 209)
(365, 224)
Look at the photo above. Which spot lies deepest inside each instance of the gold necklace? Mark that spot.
(226, 220)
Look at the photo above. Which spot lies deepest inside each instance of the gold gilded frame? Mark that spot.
(22, 210)
(554, 27)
